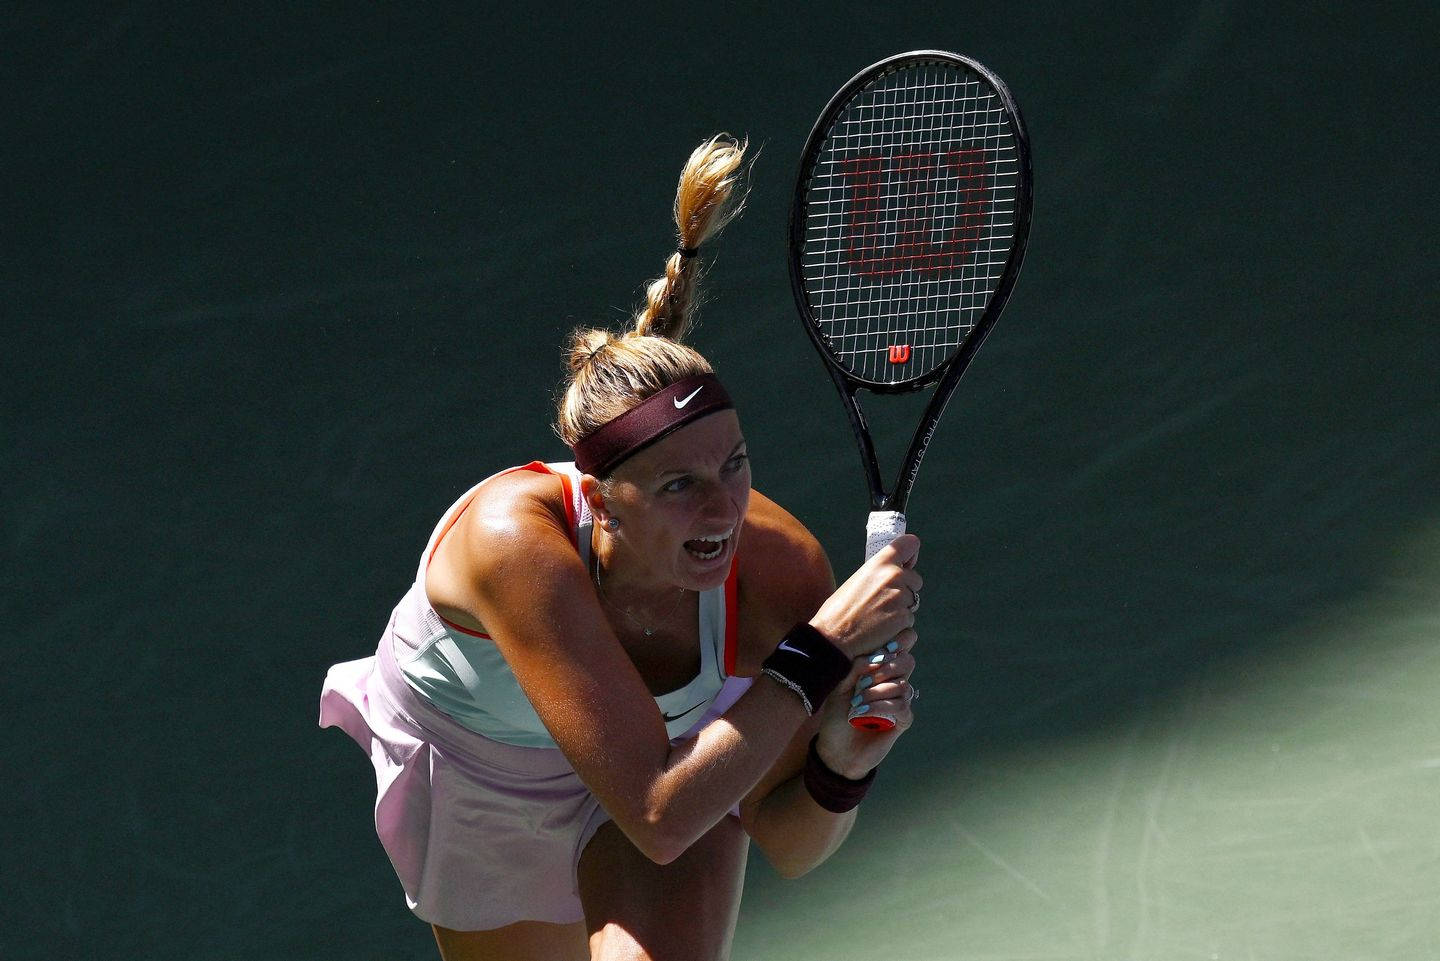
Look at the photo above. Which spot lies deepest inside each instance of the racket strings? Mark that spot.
(910, 214)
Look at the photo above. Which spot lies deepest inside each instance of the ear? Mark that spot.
(595, 497)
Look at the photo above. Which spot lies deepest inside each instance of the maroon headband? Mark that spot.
(602, 450)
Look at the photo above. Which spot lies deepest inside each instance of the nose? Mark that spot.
(719, 505)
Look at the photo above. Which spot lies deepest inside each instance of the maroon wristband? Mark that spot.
(833, 792)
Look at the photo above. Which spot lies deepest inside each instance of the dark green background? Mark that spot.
(282, 280)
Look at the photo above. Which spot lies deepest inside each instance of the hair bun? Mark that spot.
(585, 343)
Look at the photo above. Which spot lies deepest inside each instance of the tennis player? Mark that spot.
(611, 675)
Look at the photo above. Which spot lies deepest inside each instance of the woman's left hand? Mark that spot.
(849, 751)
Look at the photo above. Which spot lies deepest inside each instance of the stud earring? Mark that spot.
(612, 524)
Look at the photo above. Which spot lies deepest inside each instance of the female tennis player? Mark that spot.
(611, 675)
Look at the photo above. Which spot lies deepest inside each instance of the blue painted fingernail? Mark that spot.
(893, 646)
(878, 658)
(862, 709)
(855, 701)
(864, 682)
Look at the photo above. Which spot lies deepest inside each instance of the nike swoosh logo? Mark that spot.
(785, 646)
(679, 404)
(675, 717)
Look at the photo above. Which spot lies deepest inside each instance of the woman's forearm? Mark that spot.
(794, 832)
(706, 776)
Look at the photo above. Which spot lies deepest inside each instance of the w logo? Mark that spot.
(915, 211)
(899, 353)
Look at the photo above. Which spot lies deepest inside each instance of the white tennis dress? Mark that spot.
(470, 784)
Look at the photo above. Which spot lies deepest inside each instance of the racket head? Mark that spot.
(910, 218)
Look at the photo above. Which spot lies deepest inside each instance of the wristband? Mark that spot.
(833, 792)
(808, 664)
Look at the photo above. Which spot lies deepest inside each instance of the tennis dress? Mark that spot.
(480, 813)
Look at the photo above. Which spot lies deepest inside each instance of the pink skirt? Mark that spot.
(481, 833)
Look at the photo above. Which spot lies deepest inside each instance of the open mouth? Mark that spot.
(708, 548)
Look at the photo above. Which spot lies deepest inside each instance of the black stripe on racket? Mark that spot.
(908, 227)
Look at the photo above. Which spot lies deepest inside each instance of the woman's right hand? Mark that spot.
(877, 601)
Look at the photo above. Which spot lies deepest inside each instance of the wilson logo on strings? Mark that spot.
(899, 353)
(892, 225)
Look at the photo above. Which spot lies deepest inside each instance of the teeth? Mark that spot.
(714, 545)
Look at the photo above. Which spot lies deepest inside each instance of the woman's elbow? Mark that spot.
(661, 852)
(656, 838)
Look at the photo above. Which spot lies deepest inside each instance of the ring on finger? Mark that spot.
(914, 600)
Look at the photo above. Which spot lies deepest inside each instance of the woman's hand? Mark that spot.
(883, 683)
(876, 603)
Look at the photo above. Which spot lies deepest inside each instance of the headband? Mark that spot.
(602, 450)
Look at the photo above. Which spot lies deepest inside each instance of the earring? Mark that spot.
(612, 524)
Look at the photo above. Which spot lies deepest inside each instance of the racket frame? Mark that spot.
(948, 372)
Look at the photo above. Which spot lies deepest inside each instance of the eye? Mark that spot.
(735, 463)
(676, 486)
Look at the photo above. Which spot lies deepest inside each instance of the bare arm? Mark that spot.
(523, 580)
(794, 832)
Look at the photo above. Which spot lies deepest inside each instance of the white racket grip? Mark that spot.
(882, 528)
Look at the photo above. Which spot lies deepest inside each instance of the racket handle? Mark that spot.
(880, 529)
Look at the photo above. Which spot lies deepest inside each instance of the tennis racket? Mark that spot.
(909, 223)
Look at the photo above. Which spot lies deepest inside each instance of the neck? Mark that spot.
(623, 579)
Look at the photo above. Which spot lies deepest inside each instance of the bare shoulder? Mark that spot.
(784, 577)
(517, 501)
(520, 514)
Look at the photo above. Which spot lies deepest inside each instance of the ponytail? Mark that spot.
(705, 202)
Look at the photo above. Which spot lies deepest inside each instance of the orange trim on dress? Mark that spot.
(461, 628)
(732, 615)
(571, 524)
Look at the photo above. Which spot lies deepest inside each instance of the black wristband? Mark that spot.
(808, 664)
(833, 792)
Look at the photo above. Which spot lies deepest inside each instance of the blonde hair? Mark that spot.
(610, 373)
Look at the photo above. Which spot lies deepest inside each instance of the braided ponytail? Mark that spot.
(703, 205)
